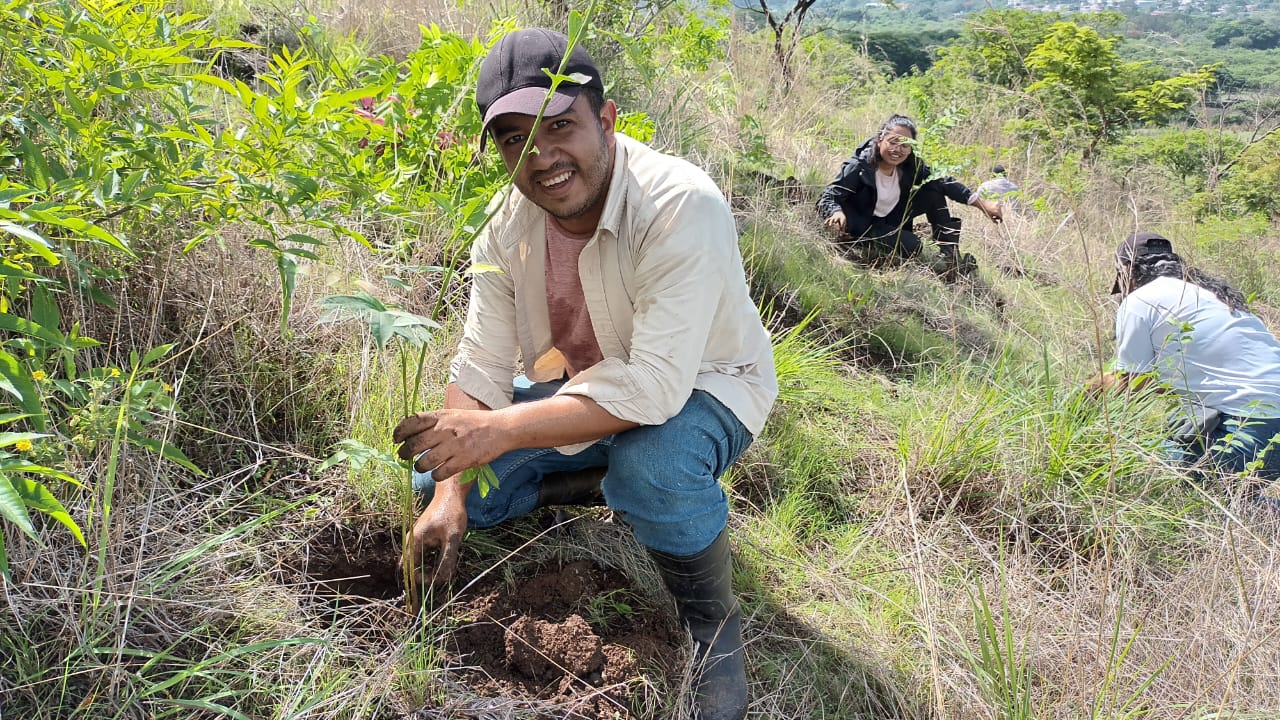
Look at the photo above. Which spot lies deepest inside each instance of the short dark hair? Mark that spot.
(595, 99)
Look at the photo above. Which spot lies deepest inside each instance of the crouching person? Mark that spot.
(620, 287)
(1193, 335)
(881, 187)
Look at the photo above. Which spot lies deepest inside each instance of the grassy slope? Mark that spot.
(938, 525)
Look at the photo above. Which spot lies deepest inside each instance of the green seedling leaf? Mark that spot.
(357, 455)
(22, 326)
(79, 226)
(12, 507)
(221, 83)
(288, 269)
(483, 477)
(97, 40)
(38, 497)
(34, 240)
(155, 354)
(13, 272)
(44, 311)
(357, 304)
(482, 268)
(14, 464)
(34, 162)
(165, 450)
(15, 380)
(20, 194)
(13, 438)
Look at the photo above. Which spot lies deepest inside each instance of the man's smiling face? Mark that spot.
(567, 173)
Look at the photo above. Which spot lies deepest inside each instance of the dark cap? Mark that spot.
(512, 79)
(997, 170)
(1138, 245)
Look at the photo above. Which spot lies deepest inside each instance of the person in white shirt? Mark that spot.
(619, 285)
(1001, 190)
(1192, 334)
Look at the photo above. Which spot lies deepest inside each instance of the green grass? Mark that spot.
(935, 523)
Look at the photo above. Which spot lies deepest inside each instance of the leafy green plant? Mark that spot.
(387, 324)
(606, 610)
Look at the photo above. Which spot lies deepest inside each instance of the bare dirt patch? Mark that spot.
(576, 637)
(579, 636)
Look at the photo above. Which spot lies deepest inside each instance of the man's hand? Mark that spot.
(453, 440)
(836, 221)
(1102, 383)
(1117, 382)
(439, 530)
(991, 208)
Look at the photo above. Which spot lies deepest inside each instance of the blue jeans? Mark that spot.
(1232, 446)
(662, 480)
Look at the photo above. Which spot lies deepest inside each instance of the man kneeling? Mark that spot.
(620, 286)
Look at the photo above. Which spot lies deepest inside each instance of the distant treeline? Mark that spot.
(1248, 48)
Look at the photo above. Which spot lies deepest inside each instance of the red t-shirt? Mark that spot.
(571, 330)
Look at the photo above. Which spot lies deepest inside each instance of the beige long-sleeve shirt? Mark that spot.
(665, 289)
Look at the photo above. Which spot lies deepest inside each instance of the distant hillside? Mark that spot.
(946, 10)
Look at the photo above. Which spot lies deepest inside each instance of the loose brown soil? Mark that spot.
(577, 637)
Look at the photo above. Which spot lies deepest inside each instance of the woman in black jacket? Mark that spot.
(883, 186)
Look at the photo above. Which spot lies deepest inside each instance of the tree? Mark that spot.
(1066, 76)
(786, 32)
(903, 50)
(1081, 82)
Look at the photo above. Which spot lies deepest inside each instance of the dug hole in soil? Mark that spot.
(575, 639)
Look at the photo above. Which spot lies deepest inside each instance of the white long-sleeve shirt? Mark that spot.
(665, 289)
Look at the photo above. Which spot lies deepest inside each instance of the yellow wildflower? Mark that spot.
(115, 372)
(38, 375)
(23, 446)
(167, 387)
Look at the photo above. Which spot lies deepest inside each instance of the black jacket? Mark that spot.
(854, 189)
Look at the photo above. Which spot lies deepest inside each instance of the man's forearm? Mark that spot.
(559, 420)
(456, 399)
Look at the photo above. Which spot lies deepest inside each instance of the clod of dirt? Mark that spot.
(543, 650)
(579, 636)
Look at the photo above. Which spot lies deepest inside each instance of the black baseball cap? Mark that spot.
(513, 80)
(1137, 245)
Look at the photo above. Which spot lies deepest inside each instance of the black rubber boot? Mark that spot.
(947, 234)
(703, 588)
(576, 487)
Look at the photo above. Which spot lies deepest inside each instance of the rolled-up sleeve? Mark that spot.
(687, 256)
(485, 363)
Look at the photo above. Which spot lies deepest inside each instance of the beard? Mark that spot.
(593, 179)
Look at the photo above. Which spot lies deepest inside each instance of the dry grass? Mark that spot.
(1149, 600)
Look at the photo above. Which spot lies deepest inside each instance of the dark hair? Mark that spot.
(1149, 267)
(595, 99)
(894, 121)
(897, 121)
